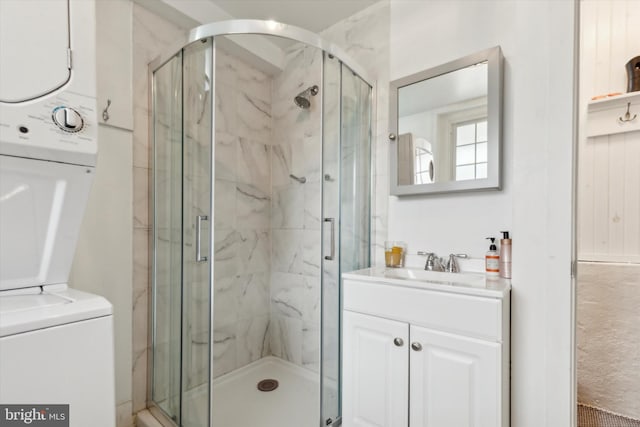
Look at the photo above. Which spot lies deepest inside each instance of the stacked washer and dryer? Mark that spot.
(56, 343)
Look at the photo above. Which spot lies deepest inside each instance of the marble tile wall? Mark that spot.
(355, 172)
(365, 36)
(296, 210)
(242, 252)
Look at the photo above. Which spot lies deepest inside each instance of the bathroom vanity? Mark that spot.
(425, 348)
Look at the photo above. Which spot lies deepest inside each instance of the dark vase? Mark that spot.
(633, 74)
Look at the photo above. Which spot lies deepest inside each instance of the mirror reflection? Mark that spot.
(442, 127)
(445, 127)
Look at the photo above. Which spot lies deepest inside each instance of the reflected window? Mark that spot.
(423, 159)
(470, 149)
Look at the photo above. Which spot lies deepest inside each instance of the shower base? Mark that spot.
(237, 402)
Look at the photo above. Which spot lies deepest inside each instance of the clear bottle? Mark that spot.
(492, 260)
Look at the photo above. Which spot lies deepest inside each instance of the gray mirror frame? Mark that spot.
(494, 129)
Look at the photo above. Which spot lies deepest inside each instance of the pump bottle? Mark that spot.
(505, 255)
(492, 260)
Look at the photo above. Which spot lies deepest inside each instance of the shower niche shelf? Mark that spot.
(614, 115)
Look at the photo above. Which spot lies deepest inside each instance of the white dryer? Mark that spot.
(56, 343)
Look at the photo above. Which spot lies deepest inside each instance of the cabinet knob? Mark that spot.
(416, 346)
(398, 342)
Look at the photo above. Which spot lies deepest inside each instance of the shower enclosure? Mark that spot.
(261, 199)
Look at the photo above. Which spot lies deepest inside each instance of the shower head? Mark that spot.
(303, 99)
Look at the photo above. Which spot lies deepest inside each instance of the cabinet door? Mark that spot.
(455, 380)
(375, 372)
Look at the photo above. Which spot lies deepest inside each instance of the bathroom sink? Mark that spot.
(460, 279)
(417, 278)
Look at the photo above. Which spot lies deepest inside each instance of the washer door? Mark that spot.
(34, 43)
(41, 209)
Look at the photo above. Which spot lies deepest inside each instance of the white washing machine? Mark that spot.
(56, 343)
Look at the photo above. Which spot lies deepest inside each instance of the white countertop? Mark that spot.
(468, 284)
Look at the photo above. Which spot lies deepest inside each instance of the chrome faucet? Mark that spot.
(433, 262)
(452, 264)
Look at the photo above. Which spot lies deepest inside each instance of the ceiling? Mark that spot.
(446, 89)
(313, 15)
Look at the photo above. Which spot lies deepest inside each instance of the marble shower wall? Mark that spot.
(267, 225)
(365, 36)
(297, 149)
(296, 210)
(355, 172)
(242, 247)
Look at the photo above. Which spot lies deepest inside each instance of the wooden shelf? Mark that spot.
(604, 114)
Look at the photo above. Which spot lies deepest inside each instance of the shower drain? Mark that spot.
(268, 385)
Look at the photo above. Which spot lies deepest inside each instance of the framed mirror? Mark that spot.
(446, 126)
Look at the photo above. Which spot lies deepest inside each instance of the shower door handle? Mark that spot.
(199, 219)
(333, 239)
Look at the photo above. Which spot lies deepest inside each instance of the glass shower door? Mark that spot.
(182, 102)
(355, 175)
(346, 212)
(196, 248)
(167, 237)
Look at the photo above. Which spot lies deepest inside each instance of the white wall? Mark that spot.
(103, 259)
(609, 173)
(535, 204)
(102, 264)
(420, 124)
(444, 224)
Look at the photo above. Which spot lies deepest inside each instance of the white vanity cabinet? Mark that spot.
(375, 386)
(424, 354)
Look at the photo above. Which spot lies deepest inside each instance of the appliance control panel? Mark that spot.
(67, 119)
(60, 128)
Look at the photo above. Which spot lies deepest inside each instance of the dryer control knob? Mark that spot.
(67, 119)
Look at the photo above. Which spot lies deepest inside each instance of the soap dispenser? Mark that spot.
(505, 255)
(492, 260)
